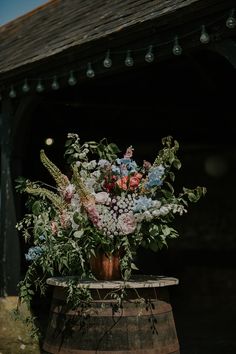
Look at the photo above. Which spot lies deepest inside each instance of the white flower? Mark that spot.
(148, 216)
(92, 164)
(164, 210)
(156, 213)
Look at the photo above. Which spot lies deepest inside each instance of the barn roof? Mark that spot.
(61, 27)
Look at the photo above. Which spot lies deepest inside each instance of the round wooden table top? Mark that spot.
(137, 281)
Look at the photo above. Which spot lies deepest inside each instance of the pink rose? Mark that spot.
(122, 182)
(134, 181)
(126, 223)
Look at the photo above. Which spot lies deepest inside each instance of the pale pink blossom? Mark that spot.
(54, 227)
(92, 213)
(64, 220)
(126, 223)
(129, 152)
(69, 192)
(101, 197)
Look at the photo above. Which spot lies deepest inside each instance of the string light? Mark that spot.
(204, 37)
(55, 84)
(39, 87)
(231, 21)
(25, 87)
(107, 62)
(129, 61)
(12, 92)
(90, 72)
(72, 80)
(177, 49)
(149, 57)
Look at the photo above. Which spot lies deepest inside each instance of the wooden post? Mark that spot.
(9, 242)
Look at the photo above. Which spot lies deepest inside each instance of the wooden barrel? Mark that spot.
(144, 324)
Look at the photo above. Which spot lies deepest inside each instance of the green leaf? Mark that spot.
(78, 234)
(177, 164)
(36, 208)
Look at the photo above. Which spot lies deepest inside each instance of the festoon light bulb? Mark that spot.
(55, 84)
(177, 49)
(204, 37)
(107, 62)
(231, 21)
(149, 57)
(25, 87)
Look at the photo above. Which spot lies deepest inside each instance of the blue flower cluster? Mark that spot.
(155, 177)
(126, 166)
(142, 204)
(33, 253)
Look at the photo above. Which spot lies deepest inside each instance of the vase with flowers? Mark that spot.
(91, 223)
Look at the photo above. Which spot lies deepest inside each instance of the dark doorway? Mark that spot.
(190, 98)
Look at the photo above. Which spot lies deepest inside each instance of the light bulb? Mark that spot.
(55, 85)
(177, 49)
(231, 21)
(107, 62)
(39, 87)
(72, 80)
(25, 87)
(49, 141)
(90, 72)
(129, 61)
(204, 37)
(149, 57)
(12, 92)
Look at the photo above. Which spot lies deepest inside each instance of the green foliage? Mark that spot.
(110, 204)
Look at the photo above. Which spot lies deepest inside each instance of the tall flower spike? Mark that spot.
(85, 196)
(61, 180)
(56, 200)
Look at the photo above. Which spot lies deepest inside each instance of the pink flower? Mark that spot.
(122, 182)
(134, 181)
(65, 220)
(92, 213)
(101, 197)
(69, 192)
(130, 182)
(129, 153)
(126, 223)
(54, 227)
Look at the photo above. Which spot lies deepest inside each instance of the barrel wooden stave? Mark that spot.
(137, 328)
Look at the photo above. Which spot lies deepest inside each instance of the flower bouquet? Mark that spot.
(107, 207)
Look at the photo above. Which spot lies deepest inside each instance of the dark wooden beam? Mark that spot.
(227, 49)
(9, 242)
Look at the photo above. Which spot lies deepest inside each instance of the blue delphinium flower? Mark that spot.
(126, 166)
(42, 237)
(33, 253)
(155, 177)
(142, 204)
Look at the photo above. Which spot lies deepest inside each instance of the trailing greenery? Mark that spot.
(109, 204)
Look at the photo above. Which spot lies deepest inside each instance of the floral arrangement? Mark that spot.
(108, 204)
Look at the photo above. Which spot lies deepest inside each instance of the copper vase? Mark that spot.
(106, 266)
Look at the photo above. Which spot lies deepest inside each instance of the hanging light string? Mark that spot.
(128, 57)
